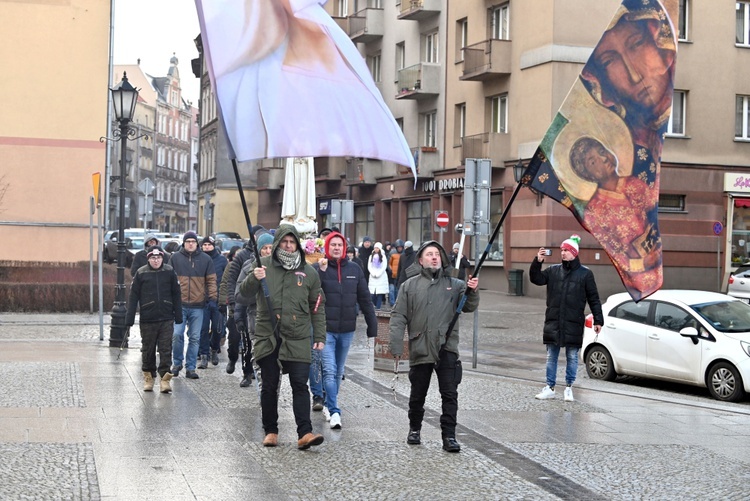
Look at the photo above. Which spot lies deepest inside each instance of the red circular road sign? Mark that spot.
(442, 219)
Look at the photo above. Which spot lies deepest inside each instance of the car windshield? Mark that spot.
(136, 243)
(228, 235)
(726, 316)
(228, 243)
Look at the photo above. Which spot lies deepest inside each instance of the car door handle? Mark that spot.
(611, 326)
(654, 336)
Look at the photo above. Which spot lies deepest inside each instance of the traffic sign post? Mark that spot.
(718, 229)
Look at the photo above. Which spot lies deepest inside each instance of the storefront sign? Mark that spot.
(454, 183)
(737, 182)
(324, 207)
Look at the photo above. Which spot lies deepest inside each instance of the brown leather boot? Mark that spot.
(271, 440)
(164, 385)
(148, 381)
(309, 440)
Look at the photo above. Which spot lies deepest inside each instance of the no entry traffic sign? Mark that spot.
(441, 219)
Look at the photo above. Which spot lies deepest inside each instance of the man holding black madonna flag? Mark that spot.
(425, 306)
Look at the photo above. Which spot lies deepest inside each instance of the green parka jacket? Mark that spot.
(425, 306)
(298, 303)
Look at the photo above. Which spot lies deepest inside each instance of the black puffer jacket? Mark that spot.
(345, 286)
(158, 292)
(569, 287)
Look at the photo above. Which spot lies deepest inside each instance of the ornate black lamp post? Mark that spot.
(124, 97)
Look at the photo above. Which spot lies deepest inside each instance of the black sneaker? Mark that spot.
(214, 357)
(450, 444)
(203, 363)
(230, 366)
(245, 382)
(176, 370)
(317, 403)
(191, 375)
(414, 437)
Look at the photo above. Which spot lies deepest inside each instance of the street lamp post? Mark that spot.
(124, 98)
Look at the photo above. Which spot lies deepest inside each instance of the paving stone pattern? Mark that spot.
(41, 384)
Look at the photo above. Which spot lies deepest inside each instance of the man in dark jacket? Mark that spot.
(569, 287)
(364, 254)
(212, 329)
(463, 263)
(156, 288)
(345, 286)
(407, 259)
(425, 306)
(140, 258)
(197, 276)
(298, 306)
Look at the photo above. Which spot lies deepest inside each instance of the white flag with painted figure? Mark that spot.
(290, 83)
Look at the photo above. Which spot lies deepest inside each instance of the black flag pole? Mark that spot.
(263, 283)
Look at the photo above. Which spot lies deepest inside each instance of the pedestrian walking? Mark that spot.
(378, 281)
(156, 289)
(140, 258)
(463, 262)
(345, 287)
(407, 259)
(393, 259)
(570, 286)
(212, 329)
(364, 254)
(197, 277)
(425, 306)
(298, 304)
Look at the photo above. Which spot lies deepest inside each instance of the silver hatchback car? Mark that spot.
(739, 285)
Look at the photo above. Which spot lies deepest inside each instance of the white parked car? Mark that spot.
(694, 337)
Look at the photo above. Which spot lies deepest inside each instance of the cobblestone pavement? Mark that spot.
(75, 424)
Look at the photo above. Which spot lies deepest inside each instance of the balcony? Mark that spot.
(366, 25)
(486, 60)
(330, 169)
(363, 171)
(271, 178)
(417, 10)
(427, 161)
(343, 23)
(492, 145)
(420, 81)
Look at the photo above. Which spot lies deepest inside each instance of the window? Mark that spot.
(400, 57)
(635, 312)
(743, 23)
(462, 36)
(430, 123)
(499, 114)
(374, 64)
(400, 123)
(676, 125)
(673, 318)
(671, 203)
(418, 221)
(342, 8)
(364, 221)
(459, 128)
(496, 211)
(499, 23)
(682, 20)
(431, 46)
(742, 118)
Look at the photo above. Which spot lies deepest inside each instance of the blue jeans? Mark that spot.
(211, 338)
(392, 293)
(334, 359)
(316, 372)
(193, 320)
(571, 367)
(377, 300)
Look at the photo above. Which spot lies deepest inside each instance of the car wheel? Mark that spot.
(599, 364)
(725, 383)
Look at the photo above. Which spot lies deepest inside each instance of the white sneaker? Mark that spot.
(546, 394)
(326, 413)
(568, 395)
(336, 421)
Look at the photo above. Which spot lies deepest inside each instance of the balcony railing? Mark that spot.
(366, 25)
(417, 10)
(486, 60)
(419, 81)
(492, 145)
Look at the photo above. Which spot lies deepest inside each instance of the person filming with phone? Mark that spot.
(570, 286)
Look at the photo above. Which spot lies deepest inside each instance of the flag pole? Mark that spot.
(263, 283)
(486, 252)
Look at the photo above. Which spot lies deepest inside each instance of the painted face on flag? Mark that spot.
(592, 161)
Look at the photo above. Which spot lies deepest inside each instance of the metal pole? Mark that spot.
(92, 209)
(100, 266)
(476, 312)
(118, 328)
(718, 261)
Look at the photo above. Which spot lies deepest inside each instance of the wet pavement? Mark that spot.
(75, 424)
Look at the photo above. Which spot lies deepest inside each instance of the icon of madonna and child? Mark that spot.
(601, 155)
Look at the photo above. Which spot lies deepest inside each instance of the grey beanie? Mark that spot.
(408, 243)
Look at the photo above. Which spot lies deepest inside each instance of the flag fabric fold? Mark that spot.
(290, 83)
(601, 156)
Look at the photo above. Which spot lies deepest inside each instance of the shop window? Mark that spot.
(418, 222)
(364, 222)
(671, 203)
(741, 232)
(496, 210)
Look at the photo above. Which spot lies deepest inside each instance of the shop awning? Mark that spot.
(742, 202)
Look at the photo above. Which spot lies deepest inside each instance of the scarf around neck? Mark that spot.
(289, 260)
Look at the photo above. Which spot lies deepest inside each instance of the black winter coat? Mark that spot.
(344, 285)
(141, 259)
(569, 288)
(408, 257)
(158, 292)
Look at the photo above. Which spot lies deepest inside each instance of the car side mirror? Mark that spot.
(690, 332)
